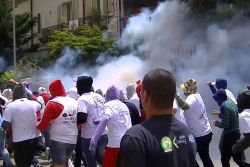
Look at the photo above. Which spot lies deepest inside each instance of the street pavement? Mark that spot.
(45, 163)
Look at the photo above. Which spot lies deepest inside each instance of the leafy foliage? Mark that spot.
(89, 39)
(5, 77)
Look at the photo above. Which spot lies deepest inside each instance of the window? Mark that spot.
(38, 23)
(67, 11)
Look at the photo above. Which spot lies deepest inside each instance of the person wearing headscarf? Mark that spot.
(7, 93)
(243, 145)
(230, 124)
(20, 115)
(117, 119)
(197, 120)
(90, 106)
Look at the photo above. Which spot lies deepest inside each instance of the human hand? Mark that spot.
(92, 146)
(215, 122)
(96, 121)
(215, 112)
(210, 83)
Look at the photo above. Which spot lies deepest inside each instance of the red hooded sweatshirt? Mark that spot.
(53, 109)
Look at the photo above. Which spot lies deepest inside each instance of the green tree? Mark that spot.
(4, 79)
(203, 7)
(24, 23)
(89, 39)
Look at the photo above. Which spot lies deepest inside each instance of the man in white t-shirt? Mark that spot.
(197, 120)
(117, 118)
(90, 106)
(21, 116)
(243, 100)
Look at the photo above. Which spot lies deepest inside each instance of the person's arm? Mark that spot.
(243, 144)
(132, 153)
(212, 87)
(98, 132)
(224, 123)
(82, 112)
(7, 118)
(6, 125)
(181, 102)
(52, 111)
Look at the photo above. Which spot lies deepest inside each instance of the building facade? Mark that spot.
(52, 13)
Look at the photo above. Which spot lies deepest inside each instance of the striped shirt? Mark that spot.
(229, 117)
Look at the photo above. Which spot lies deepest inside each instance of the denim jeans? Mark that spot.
(100, 150)
(61, 152)
(3, 151)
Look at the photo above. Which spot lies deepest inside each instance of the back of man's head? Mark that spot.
(161, 88)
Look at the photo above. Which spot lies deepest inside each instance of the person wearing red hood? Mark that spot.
(61, 112)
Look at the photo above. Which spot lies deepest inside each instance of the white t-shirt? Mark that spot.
(196, 116)
(119, 122)
(64, 127)
(244, 121)
(230, 95)
(136, 101)
(179, 113)
(22, 116)
(92, 104)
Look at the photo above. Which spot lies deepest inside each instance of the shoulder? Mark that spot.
(137, 131)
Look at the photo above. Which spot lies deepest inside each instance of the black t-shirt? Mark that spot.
(161, 141)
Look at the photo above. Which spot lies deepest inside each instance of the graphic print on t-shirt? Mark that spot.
(69, 116)
(170, 143)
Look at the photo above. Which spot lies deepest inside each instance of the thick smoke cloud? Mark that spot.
(169, 38)
(173, 41)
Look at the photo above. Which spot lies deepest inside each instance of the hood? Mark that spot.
(73, 93)
(189, 86)
(220, 96)
(84, 84)
(243, 100)
(221, 83)
(122, 96)
(112, 93)
(130, 90)
(56, 88)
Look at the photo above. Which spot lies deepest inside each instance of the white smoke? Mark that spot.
(170, 39)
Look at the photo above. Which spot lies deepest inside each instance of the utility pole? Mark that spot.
(14, 33)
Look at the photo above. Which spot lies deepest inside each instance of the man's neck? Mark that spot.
(161, 112)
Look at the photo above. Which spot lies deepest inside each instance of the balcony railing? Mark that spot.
(97, 20)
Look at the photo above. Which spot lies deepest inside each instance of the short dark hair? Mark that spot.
(160, 85)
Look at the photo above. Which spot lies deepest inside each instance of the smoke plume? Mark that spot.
(2, 64)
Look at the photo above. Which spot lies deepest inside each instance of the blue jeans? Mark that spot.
(61, 152)
(100, 150)
(3, 151)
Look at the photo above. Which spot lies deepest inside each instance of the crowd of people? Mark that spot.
(146, 125)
